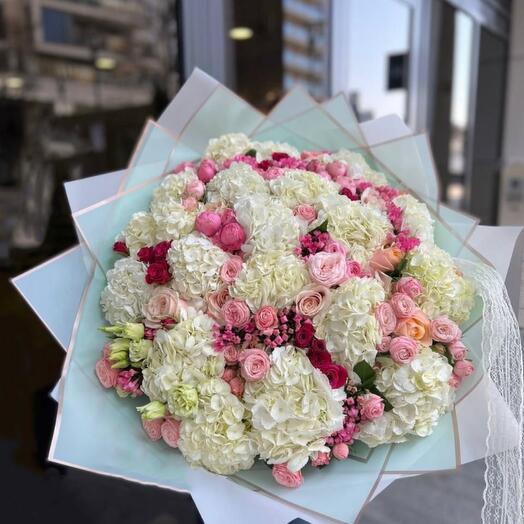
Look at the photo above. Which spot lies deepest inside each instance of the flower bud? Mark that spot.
(134, 331)
(153, 410)
(138, 351)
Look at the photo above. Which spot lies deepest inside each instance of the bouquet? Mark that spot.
(279, 304)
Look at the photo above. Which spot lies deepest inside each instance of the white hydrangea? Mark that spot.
(139, 232)
(226, 146)
(361, 228)
(172, 187)
(349, 325)
(217, 438)
(358, 166)
(446, 291)
(182, 355)
(268, 224)
(195, 263)
(293, 409)
(267, 148)
(416, 217)
(238, 180)
(272, 278)
(172, 220)
(126, 291)
(297, 186)
(419, 393)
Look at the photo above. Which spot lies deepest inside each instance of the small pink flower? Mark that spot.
(164, 303)
(183, 166)
(306, 212)
(336, 169)
(383, 345)
(254, 364)
(328, 269)
(463, 368)
(287, 478)
(232, 236)
(195, 189)
(236, 312)
(190, 203)
(353, 269)
(455, 381)
(237, 386)
(445, 330)
(386, 318)
(153, 428)
(231, 355)
(206, 170)
(315, 165)
(216, 300)
(458, 350)
(402, 305)
(341, 451)
(320, 458)
(126, 381)
(105, 373)
(231, 269)
(208, 223)
(170, 432)
(334, 246)
(272, 173)
(266, 320)
(403, 350)
(229, 374)
(371, 406)
(312, 300)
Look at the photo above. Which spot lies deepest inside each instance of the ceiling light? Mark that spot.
(240, 33)
(105, 63)
(14, 82)
(455, 191)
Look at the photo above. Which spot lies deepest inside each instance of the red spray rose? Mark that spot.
(304, 336)
(158, 273)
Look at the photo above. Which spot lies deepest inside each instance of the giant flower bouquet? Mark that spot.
(283, 301)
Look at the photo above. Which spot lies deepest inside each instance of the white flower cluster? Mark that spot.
(419, 393)
(293, 409)
(227, 146)
(416, 217)
(267, 148)
(349, 325)
(140, 232)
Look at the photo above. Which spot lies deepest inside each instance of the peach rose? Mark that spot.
(231, 269)
(418, 327)
(386, 259)
(266, 320)
(287, 478)
(216, 300)
(164, 303)
(327, 269)
(236, 312)
(312, 300)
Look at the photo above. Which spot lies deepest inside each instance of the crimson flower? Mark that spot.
(336, 374)
(158, 273)
(120, 247)
(304, 336)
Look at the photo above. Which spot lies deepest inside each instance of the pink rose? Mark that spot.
(163, 303)
(320, 458)
(386, 318)
(206, 170)
(231, 269)
(229, 374)
(153, 428)
(353, 269)
(183, 166)
(383, 345)
(333, 246)
(105, 373)
(232, 237)
(371, 406)
(402, 305)
(410, 286)
(341, 451)
(237, 386)
(287, 478)
(445, 330)
(190, 203)
(208, 223)
(195, 189)
(336, 169)
(403, 350)
(315, 165)
(305, 212)
(254, 364)
(458, 350)
(312, 300)
(328, 269)
(231, 355)
(170, 432)
(463, 368)
(216, 300)
(455, 381)
(266, 320)
(236, 312)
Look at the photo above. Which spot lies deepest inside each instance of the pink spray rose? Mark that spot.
(402, 305)
(458, 350)
(237, 386)
(445, 330)
(229, 374)
(463, 368)
(206, 170)
(190, 203)
(272, 173)
(320, 458)
(334, 246)
(106, 374)
(195, 189)
(353, 269)
(287, 478)
(232, 236)
(231, 269)
(236, 312)
(341, 451)
(216, 300)
(403, 350)
(153, 428)
(254, 364)
(410, 286)
(336, 169)
(306, 212)
(371, 406)
(266, 320)
(328, 269)
(312, 300)
(208, 223)
(383, 345)
(163, 303)
(183, 166)
(455, 381)
(386, 318)
(170, 432)
(231, 355)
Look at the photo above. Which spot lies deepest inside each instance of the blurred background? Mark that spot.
(78, 79)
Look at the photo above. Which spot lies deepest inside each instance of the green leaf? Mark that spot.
(323, 227)
(251, 152)
(366, 373)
